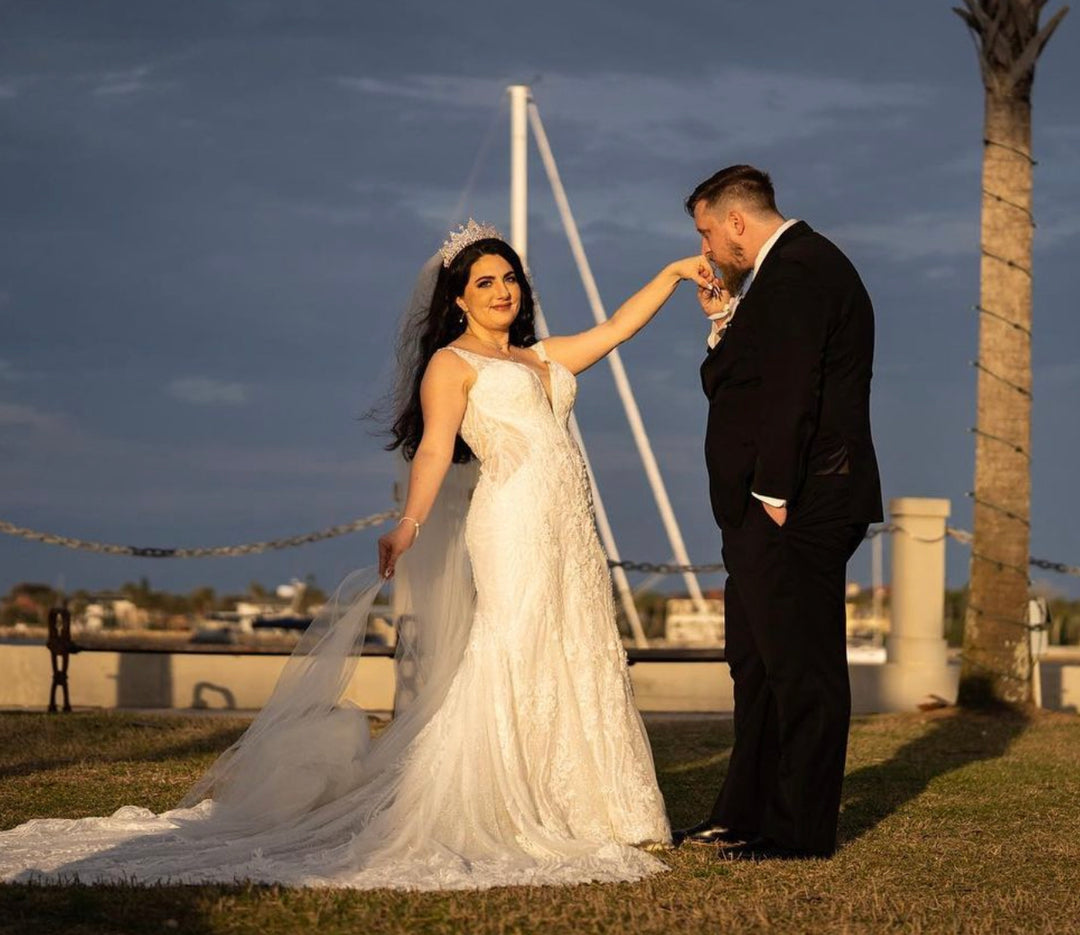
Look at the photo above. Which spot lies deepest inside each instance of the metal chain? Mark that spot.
(1060, 567)
(664, 568)
(251, 548)
(331, 532)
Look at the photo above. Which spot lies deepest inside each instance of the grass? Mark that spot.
(952, 822)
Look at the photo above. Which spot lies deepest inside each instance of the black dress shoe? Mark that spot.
(708, 832)
(757, 849)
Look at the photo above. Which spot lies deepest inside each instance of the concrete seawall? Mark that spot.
(244, 682)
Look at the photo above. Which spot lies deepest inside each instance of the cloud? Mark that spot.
(206, 391)
(1062, 374)
(938, 235)
(16, 415)
(1061, 224)
(434, 89)
(671, 116)
(9, 373)
(921, 235)
(293, 461)
(121, 83)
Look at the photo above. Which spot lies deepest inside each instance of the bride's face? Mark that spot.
(493, 294)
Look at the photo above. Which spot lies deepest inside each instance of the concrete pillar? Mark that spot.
(917, 664)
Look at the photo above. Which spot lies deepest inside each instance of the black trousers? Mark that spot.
(787, 649)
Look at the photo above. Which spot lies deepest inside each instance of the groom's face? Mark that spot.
(721, 235)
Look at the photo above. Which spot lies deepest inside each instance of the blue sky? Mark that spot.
(212, 212)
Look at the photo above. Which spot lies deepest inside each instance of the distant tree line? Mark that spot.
(29, 602)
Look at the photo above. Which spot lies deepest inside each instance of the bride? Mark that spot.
(517, 756)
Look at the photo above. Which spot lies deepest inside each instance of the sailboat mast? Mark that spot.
(519, 170)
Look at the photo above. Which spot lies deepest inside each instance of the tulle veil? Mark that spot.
(310, 745)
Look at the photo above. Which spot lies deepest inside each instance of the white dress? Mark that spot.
(530, 765)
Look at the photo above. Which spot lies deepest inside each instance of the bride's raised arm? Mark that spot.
(444, 392)
(578, 352)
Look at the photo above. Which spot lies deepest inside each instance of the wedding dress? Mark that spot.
(519, 756)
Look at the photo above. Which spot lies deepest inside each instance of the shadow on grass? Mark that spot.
(75, 910)
(30, 763)
(954, 739)
(691, 761)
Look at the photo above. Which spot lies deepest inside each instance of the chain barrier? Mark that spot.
(665, 568)
(253, 548)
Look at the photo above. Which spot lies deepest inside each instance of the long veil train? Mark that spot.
(306, 774)
(310, 745)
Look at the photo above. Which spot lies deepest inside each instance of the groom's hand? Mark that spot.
(712, 296)
(714, 303)
(778, 514)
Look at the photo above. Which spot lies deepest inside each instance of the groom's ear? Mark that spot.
(737, 222)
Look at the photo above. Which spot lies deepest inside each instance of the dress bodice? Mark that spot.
(509, 417)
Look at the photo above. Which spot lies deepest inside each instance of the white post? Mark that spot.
(917, 665)
(876, 586)
(519, 221)
(622, 383)
(1038, 618)
(519, 170)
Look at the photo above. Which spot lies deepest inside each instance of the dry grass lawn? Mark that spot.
(952, 822)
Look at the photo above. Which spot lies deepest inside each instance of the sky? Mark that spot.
(212, 214)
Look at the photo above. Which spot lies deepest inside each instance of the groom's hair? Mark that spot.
(751, 187)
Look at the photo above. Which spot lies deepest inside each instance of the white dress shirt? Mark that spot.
(720, 323)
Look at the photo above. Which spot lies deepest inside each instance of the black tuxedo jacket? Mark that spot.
(789, 384)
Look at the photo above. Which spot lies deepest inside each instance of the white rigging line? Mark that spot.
(519, 165)
(622, 383)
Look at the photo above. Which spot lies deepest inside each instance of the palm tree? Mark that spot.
(1008, 40)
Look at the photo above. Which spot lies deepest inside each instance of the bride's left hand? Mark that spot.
(393, 545)
(698, 270)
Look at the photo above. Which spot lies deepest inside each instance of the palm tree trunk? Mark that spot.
(996, 649)
(997, 655)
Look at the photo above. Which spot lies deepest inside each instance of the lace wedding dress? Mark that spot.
(520, 759)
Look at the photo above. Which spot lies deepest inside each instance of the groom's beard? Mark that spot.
(732, 277)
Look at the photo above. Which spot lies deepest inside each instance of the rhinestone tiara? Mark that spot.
(465, 236)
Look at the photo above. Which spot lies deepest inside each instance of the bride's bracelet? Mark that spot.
(415, 523)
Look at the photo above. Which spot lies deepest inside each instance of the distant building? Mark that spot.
(119, 612)
(685, 625)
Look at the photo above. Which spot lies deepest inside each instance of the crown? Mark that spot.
(465, 236)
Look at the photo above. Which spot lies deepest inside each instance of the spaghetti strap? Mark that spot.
(470, 357)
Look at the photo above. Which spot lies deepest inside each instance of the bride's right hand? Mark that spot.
(393, 545)
(712, 295)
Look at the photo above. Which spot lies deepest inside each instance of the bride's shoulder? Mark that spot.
(447, 364)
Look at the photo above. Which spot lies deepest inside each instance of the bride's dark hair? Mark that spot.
(436, 325)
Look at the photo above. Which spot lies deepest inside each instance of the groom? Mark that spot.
(794, 483)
